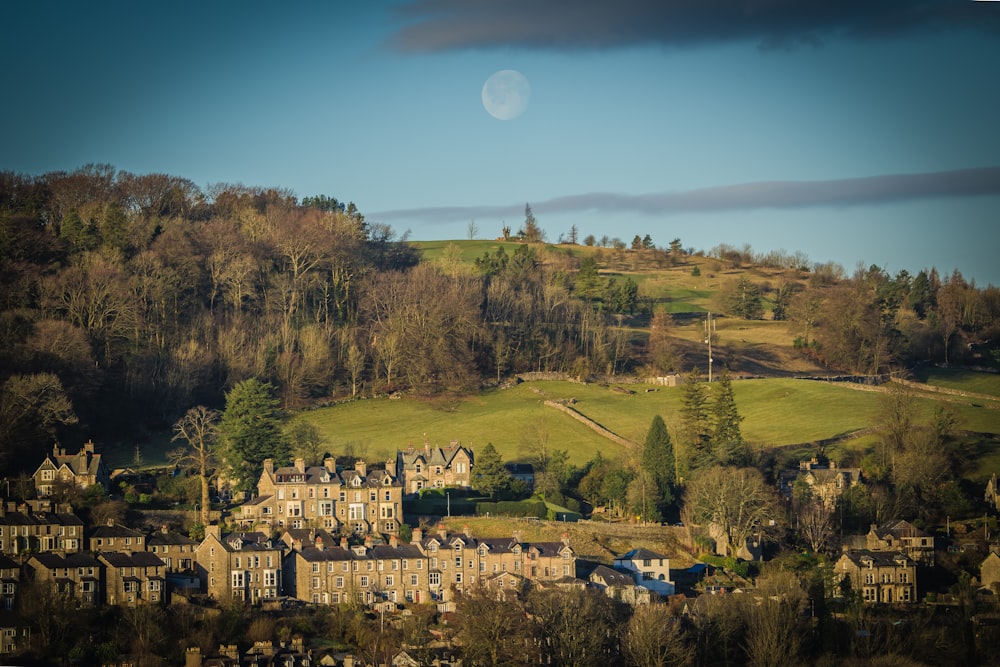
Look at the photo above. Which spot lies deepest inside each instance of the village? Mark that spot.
(327, 535)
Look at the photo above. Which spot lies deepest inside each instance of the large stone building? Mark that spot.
(82, 469)
(827, 481)
(358, 500)
(434, 467)
(880, 576)
(900, 535)
(648, 569)
(240, 566)
(368, 574)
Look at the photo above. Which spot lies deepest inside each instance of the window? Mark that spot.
(364, 581)
(413, 580)
(340, 582)
(238, 579)
(458, 577)
(458, 562)
(237, 562)
(434, 579)
(315, 582)
(902, 577)
(388, 496)
(270, 578)
(389, 580)
(315, 567)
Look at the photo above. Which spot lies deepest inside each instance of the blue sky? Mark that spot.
(849, 130)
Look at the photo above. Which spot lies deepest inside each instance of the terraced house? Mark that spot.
(241, 566)
(358, 500)
(39, 527)
(77, 576)
(457, 562)
(323, 573)
(133, 579)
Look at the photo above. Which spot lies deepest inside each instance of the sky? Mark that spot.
(852, 131)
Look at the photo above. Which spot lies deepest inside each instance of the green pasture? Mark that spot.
(776, 412)
(957, 378)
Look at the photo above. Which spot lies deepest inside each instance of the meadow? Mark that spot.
(777, 412)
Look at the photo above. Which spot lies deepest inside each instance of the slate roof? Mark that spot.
(610, 577)
(641, 554)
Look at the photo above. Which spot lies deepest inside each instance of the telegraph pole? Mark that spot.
(708, 339)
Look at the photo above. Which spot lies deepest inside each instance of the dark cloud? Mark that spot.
(573, 25)
(887, 189)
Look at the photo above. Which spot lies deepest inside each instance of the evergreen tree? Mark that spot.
(728, 446)
(658, 459)
(252, 431)
(695, 425)
(489, 474)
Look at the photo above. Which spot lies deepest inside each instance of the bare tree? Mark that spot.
(773, 614)
(198, 429)
(654, 638)
(737, 500)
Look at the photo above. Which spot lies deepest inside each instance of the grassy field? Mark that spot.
(963, 380)
(777, 412)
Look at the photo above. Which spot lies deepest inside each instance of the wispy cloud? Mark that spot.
(886, 189)
(573, 25)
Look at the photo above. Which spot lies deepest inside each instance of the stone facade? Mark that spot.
(83, 469)
(880, 576)
(39, 527)
(75, 575)
(434, 467)
(359, 500)
(133, 579)
(240, 566)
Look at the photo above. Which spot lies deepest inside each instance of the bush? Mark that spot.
(526, 508)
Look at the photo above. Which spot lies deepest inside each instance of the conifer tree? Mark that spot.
(728, 446)
(658, 459)
(695, 425)
(252, 431)
(489, 474)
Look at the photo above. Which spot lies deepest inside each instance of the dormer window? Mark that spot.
(357, 481)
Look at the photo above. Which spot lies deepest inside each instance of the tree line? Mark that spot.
(128, 298)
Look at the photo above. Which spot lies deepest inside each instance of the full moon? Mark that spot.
(505, 94)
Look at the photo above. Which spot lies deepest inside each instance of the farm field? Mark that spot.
(963, 380)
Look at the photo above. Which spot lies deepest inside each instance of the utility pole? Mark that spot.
(709, 327)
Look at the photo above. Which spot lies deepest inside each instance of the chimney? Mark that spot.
(229, 651)
(88, 448)
(368, 541)
(393, 541)
(348, 660)
(319, 542)
(111, 522)
(565, 539)
(361, 467)
(465, 529)
(330, 464)
(417, 537)
(269, 466)
(343, 543)
(215, 530)
(517, 536)
(442, 531)
(192, 657)
(300, 465)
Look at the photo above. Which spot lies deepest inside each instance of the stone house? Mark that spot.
(116, 537)
(368, 574)
(321, 497)
(648, 569)
(989, 571)
(83, 469)
(75, 575)
(241, 566)
(828, 481)
(10, 578)
(458, 561)
(900, 535)
(174, 549)
(133, 579)
(880, 576)
(434, 467)
(35, 528)
(619, 586)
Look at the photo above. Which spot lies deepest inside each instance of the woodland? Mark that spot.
(127, 299)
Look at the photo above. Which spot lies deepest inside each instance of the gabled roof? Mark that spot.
(116, 530)
(861, 558)
(431, 456)
(141, 559)
(52, 561)
(899, 528)
(609, 577)
(641, 554)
